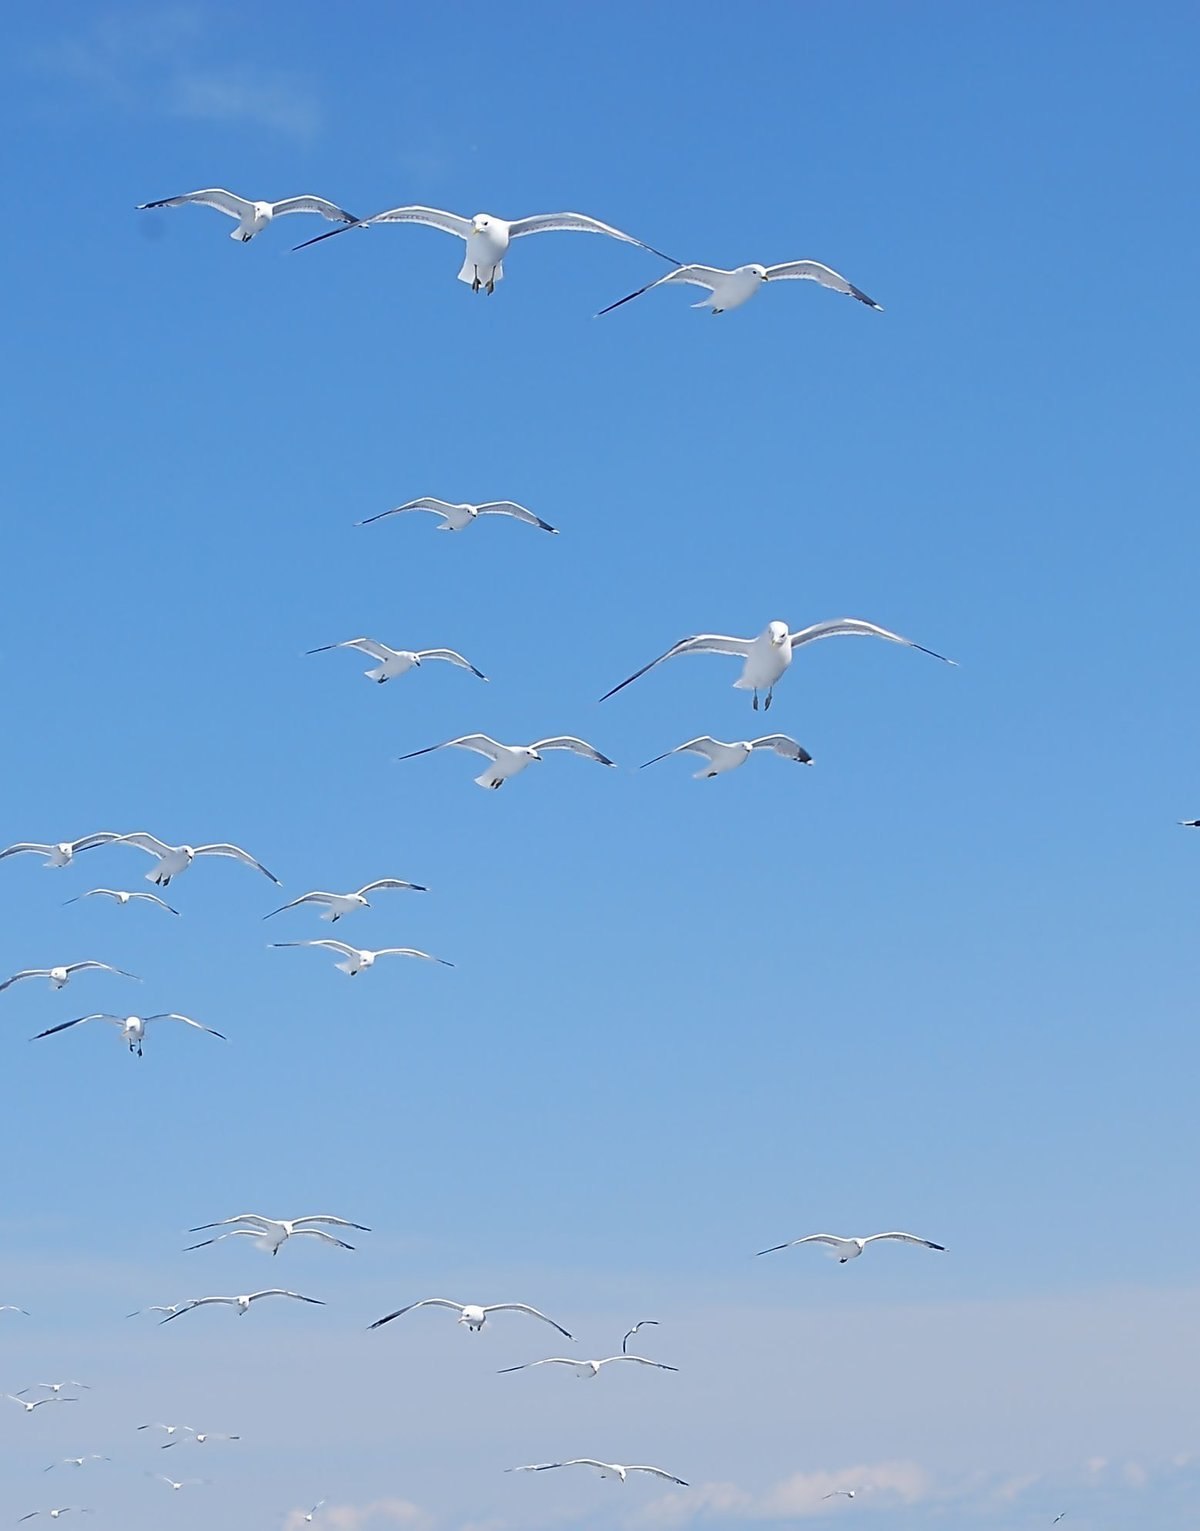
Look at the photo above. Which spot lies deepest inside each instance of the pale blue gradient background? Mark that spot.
(940, 981)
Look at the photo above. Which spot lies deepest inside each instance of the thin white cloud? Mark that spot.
(792, 1498)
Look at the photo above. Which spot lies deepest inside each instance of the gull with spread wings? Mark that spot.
(472, 1315)
(730, 289)
(508, 760)
(273, 1232)
(456, 517)
(171, 860)
(394, 662)
(850, 1249)
(723, 757)
(133, 1027)
(61, 976)
(605, 1469)
(252, 217)
(335, 905)
(356, 959)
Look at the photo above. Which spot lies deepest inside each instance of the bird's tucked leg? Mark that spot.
(770, 696)
(754, 704)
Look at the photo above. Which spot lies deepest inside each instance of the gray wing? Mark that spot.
(479, 744)
(237, 854)
(692, 747)
(78, 1021)
(411, 951)
(145, 842)
(334, 1222)
(425, 1302)
(576, 747)
(701, 643)
(172, 1015)
(809, 1238)
(389, 882)
(370, 646)
(577, 223)
(106, 967)
(517, 512)
(26, 973)
(641, 1361)
(657, 1472)
(855, 627)
(426, 502)
(213, 196)
(24, 846)
(814, 271)
(434, 217)
(692, 276)
(905, 1238)
(319, 205)
(782, 745)
(523, 1307)
(89, 842)
(451, 658)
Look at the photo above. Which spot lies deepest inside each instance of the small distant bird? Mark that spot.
(133, 1027)
(338, 904)
(76, 1461)
(605, 1469)
(198, 1438)
(171, 1483)
(587, 1368)
(471, 1314)
(252, 217)
(54, 1514)
(53, 1387)
(765, 658)
(850, 1249)
(730, 289)
(487, 237)
(394, 662)
(37, 1403)
(847, 1493)
(170, 860)
(1061, 1513)
(60, 977)
(308, 1518)
(273, 1232)
(629, 1333)
(510, 760)
(456, 518)
(121, 898)
(727, 757)
(170, 1429)
(64, 852)
(358, 959)
(242, 1304)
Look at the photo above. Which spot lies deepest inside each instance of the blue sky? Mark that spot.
(940, 981)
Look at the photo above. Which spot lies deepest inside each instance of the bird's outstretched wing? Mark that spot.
(855, 627)
(523, 1307)
(390, 882)
(478, 744)
(450, 657)
(700, 643)
(691, 276)
(426, 502)
(517, 512)
(172, 1015)
(809, 1238)
(575, 746)
(309, 204)
(236, 853)
(905, 1238)
(333, 1222)
(657, 1472)
(425, 1302)
(704, 745)
(212, 196)
(79, 1020)
(782, 745)
(433, 217)
(814, 271)
(577, 223)
(370, 646)
(411, 951)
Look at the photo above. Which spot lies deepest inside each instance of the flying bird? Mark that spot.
(850, 1249)
(53, 1387)
(846, 1493)
(487, 237)
(37, 1403)
(765, 658)
(357, 959)
(122, 898)
(308, 1518)
(1062, 1513)
(730, 289)
(456, 518)
(727, 757)
(394, 662)
(133, 1027)
(158, 1307)
(588, 1368)
(60, 977)
(252, 217)
(54, 1514)
(242, 1304)
(64, 852)
(198, 1438)
(472, 1315)
(273, 1232)
(605, 1469)
(170, 860)
(170, 1429)
(76, 1461)
(338, 904)
(641, 1324)
(511, 759)
(171, 1483)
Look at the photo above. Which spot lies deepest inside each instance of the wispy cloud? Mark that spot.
(792, 1498)
(167, 61)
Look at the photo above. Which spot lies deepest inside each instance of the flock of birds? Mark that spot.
(764, 660)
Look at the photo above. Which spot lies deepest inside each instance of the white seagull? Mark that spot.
(171, 1482)
(641, 1324)
(53, 1387)
(338, 904)
(121, 897)
(511, 759)
(723, 757)
(842, 1493)
(473, 1315)
(394, 662)
(37, 1403)
(730, 289)
(457, 517)
(588, 1368)
(133, 1027)
(199, 1438)
(242, 1304)
(357, 959)
(605, 1469)
(487, 237)
(170, 860)
(273, 1232)
(76, 1461)
(850, 1249)
(766, 657)
(252, 217)
(170, 1429)
(64, 852)
(54, 1514)
(60, 977)
(309, 1517)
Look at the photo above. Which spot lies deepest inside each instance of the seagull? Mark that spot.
(76, 1461)
(1061, 1513)
(850, 1249)
(38, 1402)
(338, 904)
(730, 289)
(253, 217)
(629, 1333)
(121, 898)
(455, 518)
(487, 237)
(11, 1307)
(471, 1314)
(308, 1518)
(242, 1304)
(587, 1368)
(170, 1429)
(847, 1493)
(54, 1514)
(54, 1387)
(133, 1027)
(766, 657)
(393, 662)
(273, 1232)
(511, 759)
(183, 1483)
(157, 1307)
(199, 1438)
(60, 976)
(357, 958)
(173, 859)
(727, 757)
(605, 1469)
(64, 852)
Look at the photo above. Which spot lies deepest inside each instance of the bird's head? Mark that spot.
(778, 633)
(63, 848)
(532, 753)
(416, 660)
(480, 223)
(759, 271)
